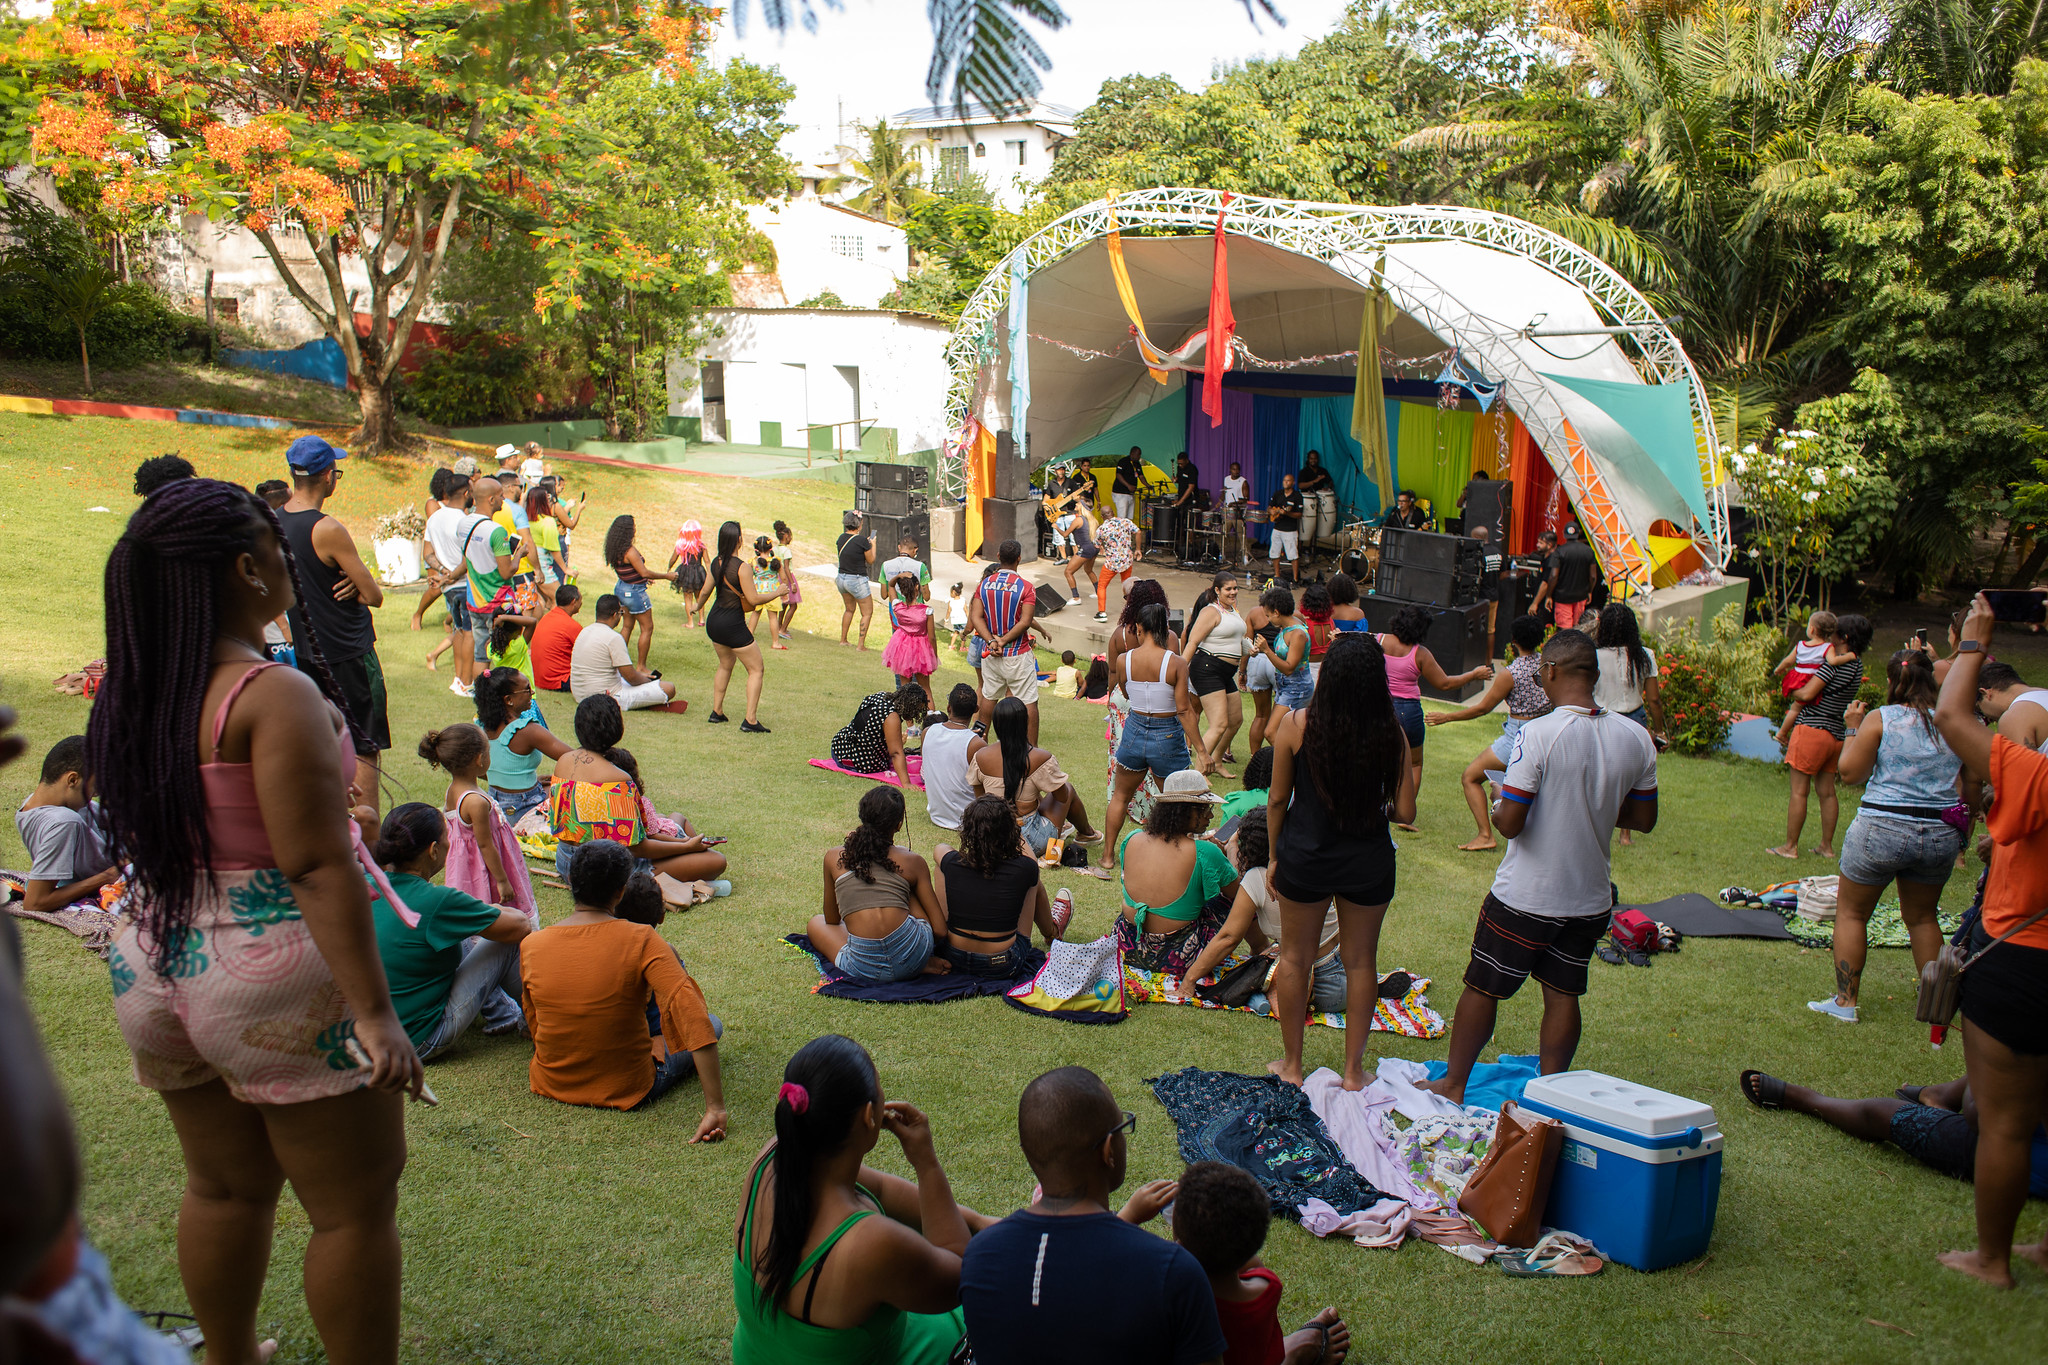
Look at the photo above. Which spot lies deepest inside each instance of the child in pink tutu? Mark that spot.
(484, 857)
(689, 553)
(912, 654)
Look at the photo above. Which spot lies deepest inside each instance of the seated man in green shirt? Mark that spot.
(438, 985)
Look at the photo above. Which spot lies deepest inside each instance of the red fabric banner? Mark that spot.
(1222, 327)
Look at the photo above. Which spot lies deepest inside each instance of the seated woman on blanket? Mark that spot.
(1178, 888)
(594, 798)
(1030, 778)
(1255, 917)
(874, 741)
(881, 916)
(991, 894)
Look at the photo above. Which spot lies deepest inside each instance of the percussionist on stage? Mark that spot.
(1123, 490)
(1186, 486)
(1285, 545)
(1314, 478)
(1404, 515)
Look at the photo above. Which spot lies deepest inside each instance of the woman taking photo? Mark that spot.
(881, 918)
(1177, 887)
(1408, 666)
(1521, 687)
(519, 738)
(726, 626)
(1029, 778)
(1157, 734)
(1909, 827)
(1125, 637)
(226, 783)
(593, 797)
(892, 1291)
(991, 895)
(544, 541)
(1215, 658)
(2005, 991)
(1340, 772)
(1815, 749)
(874, 740)
(623, 558)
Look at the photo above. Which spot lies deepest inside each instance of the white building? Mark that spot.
(1011, 149)
(765, 375)
(823, 247)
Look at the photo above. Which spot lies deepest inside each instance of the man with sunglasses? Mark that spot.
(1067, 1278)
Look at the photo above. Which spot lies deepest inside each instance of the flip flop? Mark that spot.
(1777, 852)
(1557, 1255)
(1761, 1090)
(1321, 1329)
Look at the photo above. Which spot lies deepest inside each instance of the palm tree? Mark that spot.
(891, 175)
(77, 295)
(1959, 47)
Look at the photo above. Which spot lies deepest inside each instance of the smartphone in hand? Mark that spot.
(2024, 606)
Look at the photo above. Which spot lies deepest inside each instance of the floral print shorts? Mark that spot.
(249, 1000)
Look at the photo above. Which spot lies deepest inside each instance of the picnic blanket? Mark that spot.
(918, 990)
(94, 924)
(1410, 1016)
(1698, 916)
(889, 777)
(1781, 901)
(1267, 1127)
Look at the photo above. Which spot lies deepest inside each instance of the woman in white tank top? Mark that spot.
(1159, 733)
(1216, 658)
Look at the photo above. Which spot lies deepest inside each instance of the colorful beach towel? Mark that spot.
(919, 990)
(889, 777)
(1410, 1016)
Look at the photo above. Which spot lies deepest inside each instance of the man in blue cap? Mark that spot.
(334, 608)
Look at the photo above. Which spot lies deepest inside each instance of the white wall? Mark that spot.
(801, 365)
(243, 271)
(820, 247)
(1000, 144)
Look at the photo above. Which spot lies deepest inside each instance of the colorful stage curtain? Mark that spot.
(1490, 453)
(1159, 431)
(1433, 456)
(1368, 419)
(1212, 448)
(1326, 429)
(1278, 441)
(980, 450)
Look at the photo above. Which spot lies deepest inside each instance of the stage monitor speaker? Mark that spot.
(891, 502)
(1490, 503)
(1456, 638)
(1011, 473)
(1419, 549)
(870, 474)
(1009, 519)
(1435, 586)
(887, 531)
(1050, 598)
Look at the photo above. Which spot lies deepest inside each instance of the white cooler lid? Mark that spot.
(1620, 1104)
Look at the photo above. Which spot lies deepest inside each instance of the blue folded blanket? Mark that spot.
(918, 990)
(1493, 1084)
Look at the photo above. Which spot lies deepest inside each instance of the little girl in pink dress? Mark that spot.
(910, 653)
(484, 857)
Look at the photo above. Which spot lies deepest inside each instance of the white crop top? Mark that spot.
(1226, 638)
(1155, 698)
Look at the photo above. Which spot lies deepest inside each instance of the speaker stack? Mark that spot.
(1009, 512)
(1490, 503)
(1457, 638)
(1422, 566)
(896, 502)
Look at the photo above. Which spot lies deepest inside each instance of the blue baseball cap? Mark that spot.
(311, 455)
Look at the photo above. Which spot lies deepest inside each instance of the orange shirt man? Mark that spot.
(553, 637)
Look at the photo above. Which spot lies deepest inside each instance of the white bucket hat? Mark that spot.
(1189, 786)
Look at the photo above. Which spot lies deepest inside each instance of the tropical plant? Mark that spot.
(1697, 721)
(1958, 47)
(477, 378)
(1818, 504)
(890, 177)
(74, 297)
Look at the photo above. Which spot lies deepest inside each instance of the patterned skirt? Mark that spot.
(1119, 709)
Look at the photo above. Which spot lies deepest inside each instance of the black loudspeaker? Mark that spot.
(1005, 519)
(891, 502)
(1490, 503)
(886, 531)
(1050, 598)
(1011, 475)
(1420, 549)
(1517, 590)
(867, 474)
(1456, 638)
(1410, 583)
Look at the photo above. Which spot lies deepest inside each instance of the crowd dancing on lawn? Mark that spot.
(231, 779)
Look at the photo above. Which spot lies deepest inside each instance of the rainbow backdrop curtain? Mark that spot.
(1493, 440)
(981, 454)
(1326, 428)
(1433, 455)
(1277, 445)
(1212, 448)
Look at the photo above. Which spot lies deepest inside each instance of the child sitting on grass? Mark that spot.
(1096, 686)
(1819, 647)
(1066, 679)
(1220, 1217)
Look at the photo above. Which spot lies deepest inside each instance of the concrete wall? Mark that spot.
(820, 247)
(244, 272)
(787, 368)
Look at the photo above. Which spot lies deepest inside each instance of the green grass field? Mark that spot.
(537, 1232)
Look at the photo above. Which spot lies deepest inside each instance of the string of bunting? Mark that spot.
(1237, 347)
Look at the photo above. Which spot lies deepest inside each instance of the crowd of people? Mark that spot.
(370, 942)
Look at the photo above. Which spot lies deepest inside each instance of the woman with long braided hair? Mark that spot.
(247, 982)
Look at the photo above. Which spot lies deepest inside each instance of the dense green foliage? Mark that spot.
(131, 325)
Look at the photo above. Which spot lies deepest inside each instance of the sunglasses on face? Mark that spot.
(1129, 1127)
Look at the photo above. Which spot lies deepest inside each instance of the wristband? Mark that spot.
(1969, 647)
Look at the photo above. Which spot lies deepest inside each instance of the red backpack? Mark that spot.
(1634, 931)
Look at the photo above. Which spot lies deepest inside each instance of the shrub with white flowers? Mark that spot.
(1816, 507)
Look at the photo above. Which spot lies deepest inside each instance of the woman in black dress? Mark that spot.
(874, 741)
(726, 625)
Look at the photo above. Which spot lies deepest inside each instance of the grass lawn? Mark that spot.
(538, 1232)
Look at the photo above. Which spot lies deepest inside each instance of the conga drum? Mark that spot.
(1165, 527)
(1325, 501)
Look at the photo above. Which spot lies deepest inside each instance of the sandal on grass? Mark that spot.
(1909, 1093)
(1558, 1254)
(1765, 1092)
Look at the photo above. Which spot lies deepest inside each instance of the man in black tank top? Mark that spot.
(337, 592)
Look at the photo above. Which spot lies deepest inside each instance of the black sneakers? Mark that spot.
(715, 719)
(752, 727)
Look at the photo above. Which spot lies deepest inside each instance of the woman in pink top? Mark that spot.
(247, 982)
(1409, 666)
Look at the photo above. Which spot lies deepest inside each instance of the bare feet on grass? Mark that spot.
(1325, 1341)
(1478, 845)
(1286, 1072)
(2037, 1252)
(1973, 1263)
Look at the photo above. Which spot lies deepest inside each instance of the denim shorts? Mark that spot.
(854, 585)
(633, 597)
(976, 646)
(1293, 690)
(1878, 848)
(457, 599)
(1260, 675)
(1037, 831)
(1158, 743)
(1504, 747)
(514, 805)
(1408, 711)
(896, 957)
(1329, 989)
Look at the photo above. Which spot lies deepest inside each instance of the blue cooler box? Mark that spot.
(1640, 1173)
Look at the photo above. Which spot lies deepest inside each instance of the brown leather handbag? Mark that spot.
(1507, 1193)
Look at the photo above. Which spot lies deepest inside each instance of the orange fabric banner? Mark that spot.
(978, 453)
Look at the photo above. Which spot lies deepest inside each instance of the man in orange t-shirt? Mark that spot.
(553, 637)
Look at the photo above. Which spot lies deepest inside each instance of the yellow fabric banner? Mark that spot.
(1368, 405)
(1130, 298)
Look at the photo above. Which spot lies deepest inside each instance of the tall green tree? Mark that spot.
(891, 179)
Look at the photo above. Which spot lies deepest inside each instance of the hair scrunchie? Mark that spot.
(799, 1099)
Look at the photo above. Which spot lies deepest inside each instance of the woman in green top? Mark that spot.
(836, 1263)
(1177, 887)
(439, 985)
(519, 737)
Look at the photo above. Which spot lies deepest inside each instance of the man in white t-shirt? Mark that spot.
(447, 530)
(946, 792)
(1573, 777)
(1236, 492)
(600, 664)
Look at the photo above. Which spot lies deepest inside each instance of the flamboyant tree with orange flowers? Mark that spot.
(374, 127)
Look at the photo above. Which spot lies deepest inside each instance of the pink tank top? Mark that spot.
(1404, 671)
(234, 820)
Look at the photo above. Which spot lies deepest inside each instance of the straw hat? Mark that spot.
(1188, 786)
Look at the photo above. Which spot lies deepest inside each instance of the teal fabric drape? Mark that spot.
(1326, 427)
(1160, 432)
(1659, 417)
